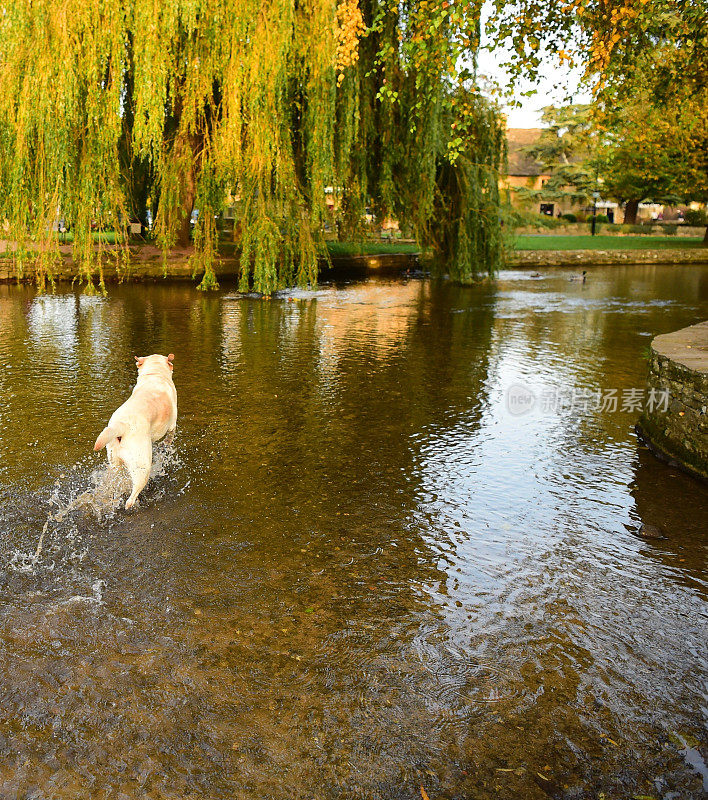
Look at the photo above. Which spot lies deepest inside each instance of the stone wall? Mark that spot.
(147, 264)
(679, 432)
(594, 258)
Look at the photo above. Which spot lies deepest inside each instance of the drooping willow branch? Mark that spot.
(111, 108)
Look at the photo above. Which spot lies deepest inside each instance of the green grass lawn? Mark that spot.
(370, 248)
(600, 242)
(540, 241)
(335, 248)
(533, 242)
(108, 237)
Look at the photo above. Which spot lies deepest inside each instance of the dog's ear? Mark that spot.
(140, 360)
(170, 359)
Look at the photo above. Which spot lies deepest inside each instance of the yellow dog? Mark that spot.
(146, 416)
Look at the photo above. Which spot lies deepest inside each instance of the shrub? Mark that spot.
(600, 218)
(637, 228)
(696, 217)
(670, 228)
(514, 218)
(570, 217)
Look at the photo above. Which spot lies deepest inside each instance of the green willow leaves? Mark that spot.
(111, 107)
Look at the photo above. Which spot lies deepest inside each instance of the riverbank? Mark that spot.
(144, 262)
(603, 241)
(148, 263)
(590, 258)
(677, 431)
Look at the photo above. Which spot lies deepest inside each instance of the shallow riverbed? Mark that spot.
(356, 572)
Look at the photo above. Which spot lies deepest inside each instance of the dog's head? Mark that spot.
(155, 360)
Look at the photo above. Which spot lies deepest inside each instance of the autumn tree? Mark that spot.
(106, 104)
(636, 152)
(646, 155)
(655, 51)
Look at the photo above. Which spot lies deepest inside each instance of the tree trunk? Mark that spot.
(186, 149)
(630, 212)
(705, 237)
(184, 231)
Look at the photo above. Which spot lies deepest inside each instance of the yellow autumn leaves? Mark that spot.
(348, 30)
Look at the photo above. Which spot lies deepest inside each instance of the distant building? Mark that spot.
(526, 173)
(523, 172)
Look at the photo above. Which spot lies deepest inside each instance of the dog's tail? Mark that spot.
(109, 433)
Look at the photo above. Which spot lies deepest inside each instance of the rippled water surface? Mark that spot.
(355, 573)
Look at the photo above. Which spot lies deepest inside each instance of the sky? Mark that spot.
(553, 87)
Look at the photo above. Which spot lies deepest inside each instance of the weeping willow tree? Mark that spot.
(108, 105)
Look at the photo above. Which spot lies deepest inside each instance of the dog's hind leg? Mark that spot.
(139, 472)
(139, 476)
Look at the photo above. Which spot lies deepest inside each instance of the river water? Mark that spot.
(356, 572)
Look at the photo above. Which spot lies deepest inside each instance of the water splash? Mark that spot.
(108, 487)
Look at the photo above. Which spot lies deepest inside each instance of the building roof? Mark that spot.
(519, 163)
